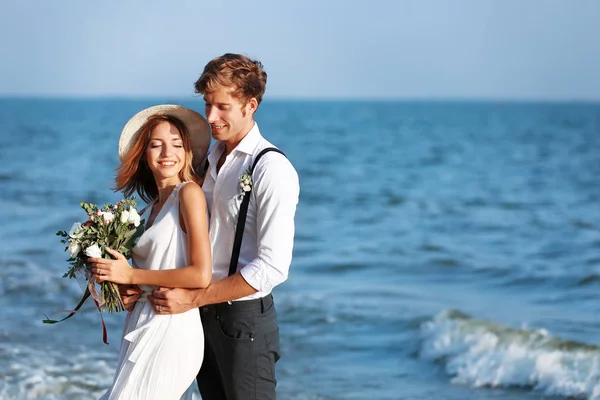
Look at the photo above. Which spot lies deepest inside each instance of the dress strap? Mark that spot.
(175, 194)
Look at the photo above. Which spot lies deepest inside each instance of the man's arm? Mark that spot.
(276, 191)
(175, 301)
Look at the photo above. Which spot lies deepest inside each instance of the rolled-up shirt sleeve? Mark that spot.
(276, 190)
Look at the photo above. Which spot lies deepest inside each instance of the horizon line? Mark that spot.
(407, 99)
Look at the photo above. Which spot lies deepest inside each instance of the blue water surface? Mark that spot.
(414, 217)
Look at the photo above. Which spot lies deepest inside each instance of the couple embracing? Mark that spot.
(219, 237)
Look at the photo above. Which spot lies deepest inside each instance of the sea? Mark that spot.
(443, 249)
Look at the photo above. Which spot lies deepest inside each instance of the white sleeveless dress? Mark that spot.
(160, 354)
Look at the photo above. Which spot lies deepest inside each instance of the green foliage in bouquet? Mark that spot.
(115, 226)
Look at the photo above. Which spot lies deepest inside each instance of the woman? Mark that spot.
(161, 354)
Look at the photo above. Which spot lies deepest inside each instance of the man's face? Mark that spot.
(229, 118)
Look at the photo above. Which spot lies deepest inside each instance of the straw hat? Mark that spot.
(197, 126)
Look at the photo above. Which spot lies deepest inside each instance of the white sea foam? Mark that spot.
(54, 375)
(480, 353)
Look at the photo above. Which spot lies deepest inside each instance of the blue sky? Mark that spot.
(491, 49)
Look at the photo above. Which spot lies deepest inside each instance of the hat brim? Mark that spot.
(197, 126)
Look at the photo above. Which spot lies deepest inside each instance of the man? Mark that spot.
(240, 323)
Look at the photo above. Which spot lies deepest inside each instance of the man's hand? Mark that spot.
(130, 294)
(174, 301)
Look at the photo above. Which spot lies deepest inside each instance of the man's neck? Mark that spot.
(234, 142)
(221, 161)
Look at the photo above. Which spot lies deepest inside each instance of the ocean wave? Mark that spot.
(484, 354)
(50, 374)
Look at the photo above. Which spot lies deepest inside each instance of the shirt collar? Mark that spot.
(250, 141)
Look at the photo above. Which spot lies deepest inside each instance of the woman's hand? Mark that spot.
(130, 294)
(117, 270)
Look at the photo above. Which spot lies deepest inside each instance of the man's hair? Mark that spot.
(244, 75)
(134, 175)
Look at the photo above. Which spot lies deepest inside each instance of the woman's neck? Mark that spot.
(164, 191)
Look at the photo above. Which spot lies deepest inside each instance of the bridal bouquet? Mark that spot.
(115, 226)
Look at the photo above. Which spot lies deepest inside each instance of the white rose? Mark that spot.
(108, 217)
(74, 248)
(93, 251)
(124, 216)
(76, 232)
(134, 217)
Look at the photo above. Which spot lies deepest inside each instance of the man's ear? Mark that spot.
(252, 105)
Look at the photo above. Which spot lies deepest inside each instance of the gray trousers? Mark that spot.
(240, 350)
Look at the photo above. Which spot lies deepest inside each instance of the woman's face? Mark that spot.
(165, 154)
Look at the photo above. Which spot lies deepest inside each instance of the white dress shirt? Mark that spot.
(266, 251)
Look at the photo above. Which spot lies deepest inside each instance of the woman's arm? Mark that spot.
(192, 209)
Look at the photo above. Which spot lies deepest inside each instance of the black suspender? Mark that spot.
(239, 229)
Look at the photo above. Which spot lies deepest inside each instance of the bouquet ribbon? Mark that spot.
(89, 291)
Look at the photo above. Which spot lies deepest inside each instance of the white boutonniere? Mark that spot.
(246, 181)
